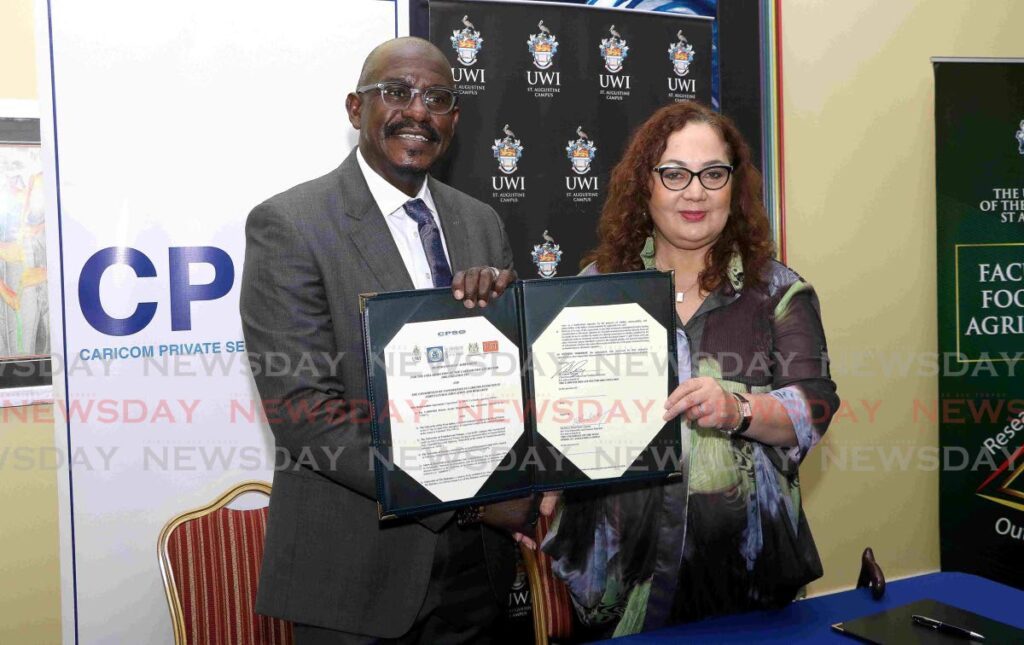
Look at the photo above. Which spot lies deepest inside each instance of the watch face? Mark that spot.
(746, 416)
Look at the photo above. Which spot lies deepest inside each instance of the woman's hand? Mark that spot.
(548, 503)
(704, 401)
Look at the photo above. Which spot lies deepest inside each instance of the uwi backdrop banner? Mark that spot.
(979, 131)
(164, 123)
(549, 96)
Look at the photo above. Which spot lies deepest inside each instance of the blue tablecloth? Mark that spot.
(809, 620)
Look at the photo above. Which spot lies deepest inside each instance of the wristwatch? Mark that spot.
(746, 416)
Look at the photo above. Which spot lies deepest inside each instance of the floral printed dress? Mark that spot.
(730, 535)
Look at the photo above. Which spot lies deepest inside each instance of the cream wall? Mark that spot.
(860, 209)
(17, 50)
(858, 103)
(29, 568)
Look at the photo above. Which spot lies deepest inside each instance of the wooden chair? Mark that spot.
(210, 562)
(552, 608)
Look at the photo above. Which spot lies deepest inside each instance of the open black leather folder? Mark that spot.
(897, 626)
(458, 414)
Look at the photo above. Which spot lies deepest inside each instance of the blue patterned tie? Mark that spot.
(430, 237)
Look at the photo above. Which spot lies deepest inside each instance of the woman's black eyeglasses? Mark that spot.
(676, 177)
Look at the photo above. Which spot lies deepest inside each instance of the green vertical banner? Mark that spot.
(979, 150)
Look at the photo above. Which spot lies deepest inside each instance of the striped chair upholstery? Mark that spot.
(210, 560)
(552, 608)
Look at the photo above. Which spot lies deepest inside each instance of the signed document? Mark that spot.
(439, 377)
(606, 364)
(557, 384)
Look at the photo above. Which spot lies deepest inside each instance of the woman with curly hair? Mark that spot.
(754, 390)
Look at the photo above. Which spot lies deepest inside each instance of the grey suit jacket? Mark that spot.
(310, 252)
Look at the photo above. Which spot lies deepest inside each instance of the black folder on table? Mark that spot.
(897, 626)
(521, 315)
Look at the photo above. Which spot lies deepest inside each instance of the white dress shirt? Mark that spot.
(403, 228)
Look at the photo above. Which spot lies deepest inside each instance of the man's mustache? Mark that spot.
(412, 126)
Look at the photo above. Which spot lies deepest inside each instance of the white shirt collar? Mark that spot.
(389, 199)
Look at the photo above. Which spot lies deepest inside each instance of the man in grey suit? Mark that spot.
(377, 223)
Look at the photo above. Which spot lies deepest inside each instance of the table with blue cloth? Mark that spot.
(810, 620)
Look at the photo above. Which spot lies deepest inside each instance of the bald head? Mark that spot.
(401, 142)
(379, 61)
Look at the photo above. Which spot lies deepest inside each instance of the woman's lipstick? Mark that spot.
(693, 216)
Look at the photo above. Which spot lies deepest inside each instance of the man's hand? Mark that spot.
(513, 516)
(477, 286)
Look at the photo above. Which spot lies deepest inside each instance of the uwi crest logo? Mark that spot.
(467, 42)
(546, 256)
(507, 150)
(681, 55)
(581, 152)
(543, 47)
(614, 51)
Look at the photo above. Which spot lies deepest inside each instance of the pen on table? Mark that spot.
(946, 628)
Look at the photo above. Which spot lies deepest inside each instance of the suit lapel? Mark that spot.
(369, 232)
(455, 234)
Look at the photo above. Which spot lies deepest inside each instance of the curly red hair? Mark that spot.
(625, 224)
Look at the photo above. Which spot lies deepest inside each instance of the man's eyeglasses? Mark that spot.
(437, 100)
(676, 177)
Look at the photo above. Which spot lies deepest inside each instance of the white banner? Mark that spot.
(163, 124)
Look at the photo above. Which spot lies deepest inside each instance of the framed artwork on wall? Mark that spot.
(25, 364)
